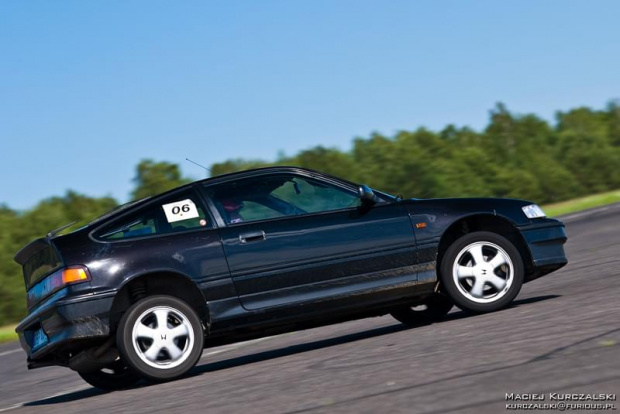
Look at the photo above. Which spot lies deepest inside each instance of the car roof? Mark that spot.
(260, 171)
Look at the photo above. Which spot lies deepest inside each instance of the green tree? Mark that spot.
(236, 165)
(12, 293)
(328, 160)
(156, 177)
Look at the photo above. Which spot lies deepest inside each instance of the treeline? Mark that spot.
(521, 156)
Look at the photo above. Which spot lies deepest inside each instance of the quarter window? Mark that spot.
(172, 215)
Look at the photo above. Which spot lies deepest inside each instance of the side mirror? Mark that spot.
(366, 194)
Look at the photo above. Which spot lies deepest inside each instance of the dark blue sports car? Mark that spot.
(139, 292)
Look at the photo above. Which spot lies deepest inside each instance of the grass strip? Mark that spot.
(7, 334)
(583, 203)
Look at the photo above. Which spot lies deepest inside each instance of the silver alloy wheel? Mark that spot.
(163, 337)
(483, 272)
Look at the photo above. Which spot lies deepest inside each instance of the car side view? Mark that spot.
(139, 292)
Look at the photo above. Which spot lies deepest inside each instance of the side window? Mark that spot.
(277, 196)
(171, 215)
(244, 200)
(314, 196)
(255, 211)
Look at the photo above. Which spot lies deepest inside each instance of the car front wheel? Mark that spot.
(160, 337)
(482, 272)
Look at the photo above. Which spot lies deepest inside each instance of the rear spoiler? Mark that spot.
(31, 249)
(39, 244)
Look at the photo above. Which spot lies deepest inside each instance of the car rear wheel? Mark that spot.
(160, 337)
(435, 309)
(482, 272)
(116, 376)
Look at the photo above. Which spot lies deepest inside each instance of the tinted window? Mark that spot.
(278, 196)
(174, 214)
(314, 196)
(40, 264)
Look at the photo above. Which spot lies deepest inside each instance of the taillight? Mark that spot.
(56, 281)
(75, 275)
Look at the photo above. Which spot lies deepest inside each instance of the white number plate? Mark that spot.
(181, 210)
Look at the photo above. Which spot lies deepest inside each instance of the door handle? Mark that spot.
(252, 236)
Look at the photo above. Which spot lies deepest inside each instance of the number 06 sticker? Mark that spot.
(180, 210)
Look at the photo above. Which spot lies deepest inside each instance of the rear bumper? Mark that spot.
(68, 324)
(545, 241)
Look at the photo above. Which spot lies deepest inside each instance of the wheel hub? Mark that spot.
(483, 272)
(162, 337)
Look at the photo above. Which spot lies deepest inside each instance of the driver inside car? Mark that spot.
(232, 208)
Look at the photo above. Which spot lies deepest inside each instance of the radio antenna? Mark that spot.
(201, 166)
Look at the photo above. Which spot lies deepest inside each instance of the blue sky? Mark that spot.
(88, 89)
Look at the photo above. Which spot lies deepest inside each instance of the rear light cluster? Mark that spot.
(56, 281)
(74, 275)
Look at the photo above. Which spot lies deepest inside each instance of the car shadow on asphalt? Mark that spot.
(533, 299)
(283, 352)
(68, 397)
(340, 340)
(459, 314)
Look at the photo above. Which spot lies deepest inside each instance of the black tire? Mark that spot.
(115, 377)
(435, 309)
(482, 292)
(172, 354)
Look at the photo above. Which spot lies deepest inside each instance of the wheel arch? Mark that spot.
(484, 222)
(162, 282)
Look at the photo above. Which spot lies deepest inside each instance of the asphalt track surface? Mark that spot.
(562, 335)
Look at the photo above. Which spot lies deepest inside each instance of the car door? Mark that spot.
(292, 238)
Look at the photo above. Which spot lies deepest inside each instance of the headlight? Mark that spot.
(533, 211)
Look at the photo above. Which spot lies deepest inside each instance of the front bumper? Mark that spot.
(545, 240)
(68, 324)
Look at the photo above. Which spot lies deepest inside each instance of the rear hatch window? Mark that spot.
(42, 261)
